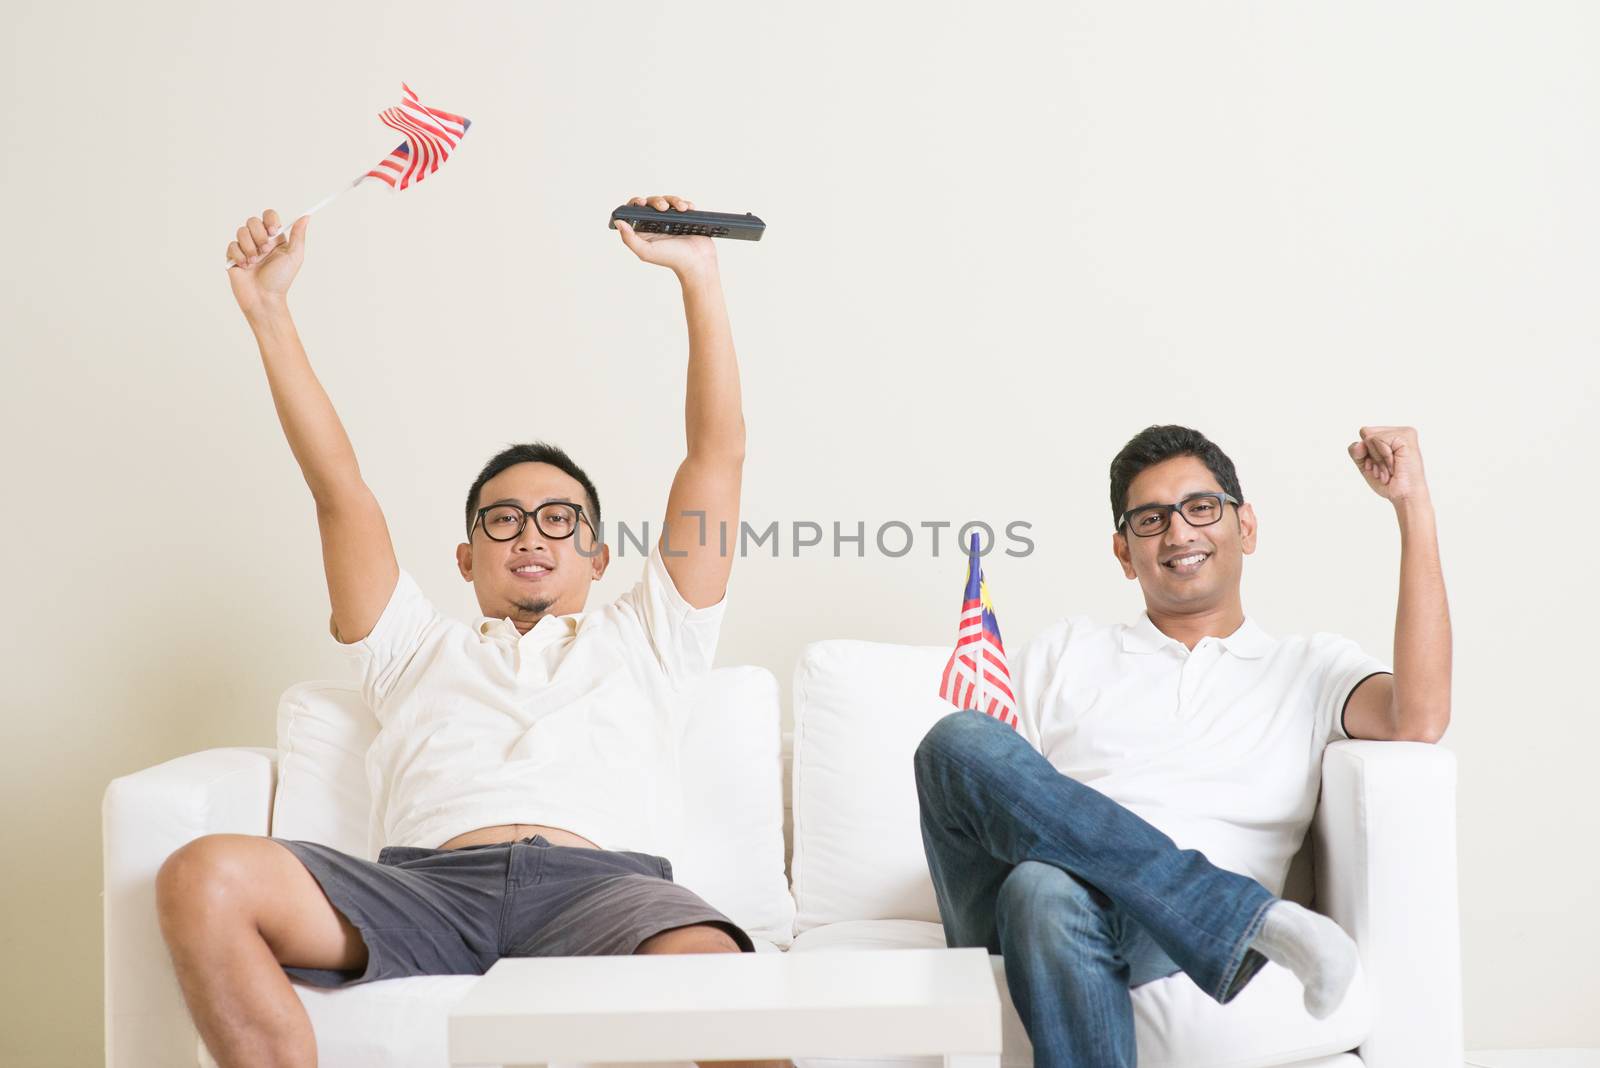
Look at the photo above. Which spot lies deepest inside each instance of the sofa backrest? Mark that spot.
(731, 756)
(860, 709)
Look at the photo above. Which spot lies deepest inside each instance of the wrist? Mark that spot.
(1417, 508)
(699, 276)
(266, 311)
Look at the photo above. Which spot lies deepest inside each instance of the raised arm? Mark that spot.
(356, 552)
(1413, 704)
(702, 524)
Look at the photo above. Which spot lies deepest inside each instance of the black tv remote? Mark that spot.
(744, 227)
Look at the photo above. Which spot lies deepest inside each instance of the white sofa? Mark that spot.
(1381, 860)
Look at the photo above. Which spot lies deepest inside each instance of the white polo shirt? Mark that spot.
(1220, 747)
(573, 724)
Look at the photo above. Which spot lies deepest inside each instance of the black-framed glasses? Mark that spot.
(1197, 509)
(553, 519)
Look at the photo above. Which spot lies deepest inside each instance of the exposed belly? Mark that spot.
(511, 832)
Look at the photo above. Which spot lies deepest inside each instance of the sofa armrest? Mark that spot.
(1385, 834)
(144, 817)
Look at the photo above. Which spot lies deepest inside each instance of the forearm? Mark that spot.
(1422, 641)
(316, 436)
(713, 414)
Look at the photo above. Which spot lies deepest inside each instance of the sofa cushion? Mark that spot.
(733, 853)
(860, 708)
(324, 729)
(1175, 1023)
(731, 756)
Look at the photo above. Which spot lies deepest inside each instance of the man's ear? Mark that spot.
(464, 560)
(1119, 548)
(1247, 529)
(599, 562)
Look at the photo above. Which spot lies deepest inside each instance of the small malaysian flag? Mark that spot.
(963, 684)
(430, 136)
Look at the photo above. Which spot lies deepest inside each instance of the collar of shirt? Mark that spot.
(548, 628)
(1249, 642)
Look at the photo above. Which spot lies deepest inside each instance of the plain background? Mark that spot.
(1002, 240)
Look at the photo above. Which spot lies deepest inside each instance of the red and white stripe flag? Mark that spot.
(430, 136)
(964, 684)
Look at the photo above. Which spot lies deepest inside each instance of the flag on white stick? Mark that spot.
(431, 135)
(976, 675)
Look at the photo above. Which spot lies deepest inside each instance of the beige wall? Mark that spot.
(1276, 222)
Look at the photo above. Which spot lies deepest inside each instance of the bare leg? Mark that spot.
(234, 909)
(703, 938)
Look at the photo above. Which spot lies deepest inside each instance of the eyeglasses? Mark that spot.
(553, 519)
(1198, 509)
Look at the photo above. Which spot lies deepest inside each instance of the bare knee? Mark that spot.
(204, 881)
(696, 938)
(225, 887)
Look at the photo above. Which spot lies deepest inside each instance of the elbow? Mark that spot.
(733, 446)
(722, 450)
(1428, 728)
(336, 492)
(1419, 714)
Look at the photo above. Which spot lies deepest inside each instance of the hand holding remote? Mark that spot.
(682, 254)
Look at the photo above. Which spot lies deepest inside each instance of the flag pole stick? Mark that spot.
(283, 231)
(977, 656)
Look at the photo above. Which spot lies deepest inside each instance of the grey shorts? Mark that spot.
(457, 911)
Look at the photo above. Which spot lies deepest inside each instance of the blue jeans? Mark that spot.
(1082, 898)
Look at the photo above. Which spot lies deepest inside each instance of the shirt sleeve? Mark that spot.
(683, 637)
(1343, 665)
(383, 655)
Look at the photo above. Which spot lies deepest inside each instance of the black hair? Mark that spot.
(1154, 444)
(537, 452)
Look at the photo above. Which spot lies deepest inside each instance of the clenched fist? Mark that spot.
(1389, 458)
(261, 264)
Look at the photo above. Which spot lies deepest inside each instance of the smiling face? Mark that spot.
(532, 575)
(1187, 570)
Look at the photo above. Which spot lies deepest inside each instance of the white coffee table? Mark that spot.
(717, 1006)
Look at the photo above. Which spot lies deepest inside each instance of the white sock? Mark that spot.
(1314, 948)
